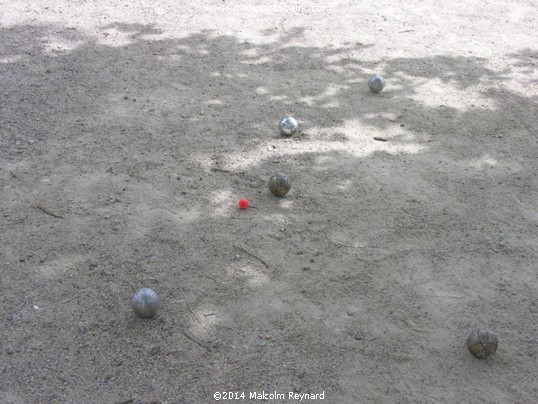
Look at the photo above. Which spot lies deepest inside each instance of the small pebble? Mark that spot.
(155, 350)
(261, 342)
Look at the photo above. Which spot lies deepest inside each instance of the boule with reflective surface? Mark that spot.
(376, 84)
(288, 126)
(280, 184)
(482, 343)
(145, 303)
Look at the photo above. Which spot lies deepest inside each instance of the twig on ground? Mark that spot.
(48, 212)
(344, 244)
(194, 314)
(252, 255)
(195, 340)
(222, 170)
(381, 139)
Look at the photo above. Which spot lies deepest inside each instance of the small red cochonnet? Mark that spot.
(243, 203)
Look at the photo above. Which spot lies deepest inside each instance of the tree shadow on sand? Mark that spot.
(145, 143)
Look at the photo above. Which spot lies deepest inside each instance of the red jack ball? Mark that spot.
(243, 203)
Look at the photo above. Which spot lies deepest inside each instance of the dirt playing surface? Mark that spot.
(129, 132)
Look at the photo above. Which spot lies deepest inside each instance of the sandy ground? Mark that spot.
(142, 123)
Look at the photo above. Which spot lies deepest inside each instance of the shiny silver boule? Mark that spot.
(288, 126)
(145, 302)
(376, 84)
(482, 343)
